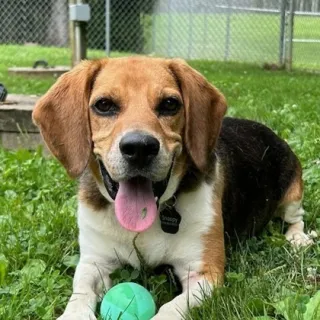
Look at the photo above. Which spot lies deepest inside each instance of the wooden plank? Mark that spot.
(16, 114)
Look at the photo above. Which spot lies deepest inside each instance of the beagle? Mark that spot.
(155, 158)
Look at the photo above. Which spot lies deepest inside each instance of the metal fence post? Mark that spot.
(79, 16)
(205, 30)
(288, 63)
(71, 37)
(108, 34)
(169, 44)
(228, 24)
(81, 38)
(282, 39)
(190, 34)
(153, 32)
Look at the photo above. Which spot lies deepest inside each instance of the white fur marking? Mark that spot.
(293, 212)
(104, 244)
(177, 308)
(293, 215)
(296, 236)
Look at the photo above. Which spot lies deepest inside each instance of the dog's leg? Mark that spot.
(292, 212)
(195, 288)
(293, 215)
(90, 280)
(197, 285)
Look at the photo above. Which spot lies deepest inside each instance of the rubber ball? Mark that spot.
(127, 301)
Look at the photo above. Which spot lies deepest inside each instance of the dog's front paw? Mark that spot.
(161, 316)
(80, 307)
(168, 311)
(299, 238)
(77, 317)
(165, 316)
(86, 315)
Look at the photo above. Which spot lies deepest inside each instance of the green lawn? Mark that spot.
(253, 37)
(265, 278)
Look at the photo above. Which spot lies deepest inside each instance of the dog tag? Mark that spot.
(170, 220)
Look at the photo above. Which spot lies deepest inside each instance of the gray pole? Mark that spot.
(190, 34)
(205, 31)
(282, 39)
(153, 32)
(290, 36)
(108, 28)
(72, 38)
(228, 22)
(79, 15)
(81, 39)
(169, 45)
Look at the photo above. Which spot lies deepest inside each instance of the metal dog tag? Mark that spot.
(170, 220)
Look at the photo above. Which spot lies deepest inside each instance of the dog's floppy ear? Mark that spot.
(204, 107)
(62, 116)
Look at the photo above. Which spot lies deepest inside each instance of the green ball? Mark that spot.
(130, 300)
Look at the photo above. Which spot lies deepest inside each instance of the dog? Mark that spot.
(157, 157)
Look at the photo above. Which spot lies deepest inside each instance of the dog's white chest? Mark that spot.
(101, 234)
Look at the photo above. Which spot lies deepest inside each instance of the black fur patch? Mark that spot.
(259, 167)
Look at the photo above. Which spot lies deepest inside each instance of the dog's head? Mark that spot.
(143, 118)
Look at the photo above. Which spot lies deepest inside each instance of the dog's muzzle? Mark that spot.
(136, 199)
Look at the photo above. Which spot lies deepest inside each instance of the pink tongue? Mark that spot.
(135, 205)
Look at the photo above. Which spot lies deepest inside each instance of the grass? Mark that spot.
(265, 278)
(253, 37)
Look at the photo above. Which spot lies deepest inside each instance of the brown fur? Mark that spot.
(62, 115)
(295, 190)
(214, 253)
(205, 107)
(88, 190)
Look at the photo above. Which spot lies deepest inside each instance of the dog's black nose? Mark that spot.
(139, 148)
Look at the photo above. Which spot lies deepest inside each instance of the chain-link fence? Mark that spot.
(42, 22)
(232, 30)
(217, 30)
(306, 37)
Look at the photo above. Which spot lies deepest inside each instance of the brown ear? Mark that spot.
(204, 107)
(62, 116)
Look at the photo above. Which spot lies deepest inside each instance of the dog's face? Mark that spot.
(137, 118)
(143, 118)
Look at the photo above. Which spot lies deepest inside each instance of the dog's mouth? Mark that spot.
(136, 199)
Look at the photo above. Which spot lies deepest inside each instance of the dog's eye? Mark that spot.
(106, 107)
(169, 107)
